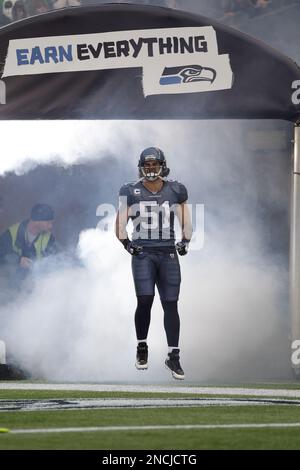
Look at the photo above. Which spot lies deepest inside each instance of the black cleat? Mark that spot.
(172, 363)
(142, 356)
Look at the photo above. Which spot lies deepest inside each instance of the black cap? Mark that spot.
(42, 212)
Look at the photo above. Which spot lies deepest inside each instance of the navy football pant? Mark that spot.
(159, 269)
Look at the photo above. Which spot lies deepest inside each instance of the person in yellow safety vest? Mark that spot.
(24, 242)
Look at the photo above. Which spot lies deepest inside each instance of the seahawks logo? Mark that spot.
(187, 74)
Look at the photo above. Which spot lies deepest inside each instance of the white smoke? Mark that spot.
(26, 144)
(77, 322)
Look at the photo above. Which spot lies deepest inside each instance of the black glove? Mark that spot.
(182, 247)
(132, 247)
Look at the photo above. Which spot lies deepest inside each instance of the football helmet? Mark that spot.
(153, 154)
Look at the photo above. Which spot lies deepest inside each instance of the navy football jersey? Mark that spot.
(153, 214)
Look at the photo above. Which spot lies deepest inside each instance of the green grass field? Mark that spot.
(171, 438)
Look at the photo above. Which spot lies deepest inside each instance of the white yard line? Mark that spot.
(156, 428)
(263, 392)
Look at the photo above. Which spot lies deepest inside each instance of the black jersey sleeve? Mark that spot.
(125, 193)
(182, 194)
(180, 191)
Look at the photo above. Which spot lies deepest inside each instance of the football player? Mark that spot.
(152, 203)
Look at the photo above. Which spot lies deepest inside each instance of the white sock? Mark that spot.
(170, 348)
(141, 341)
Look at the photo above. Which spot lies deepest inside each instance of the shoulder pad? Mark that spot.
(128, 188)
(175, 185)
(131, 183)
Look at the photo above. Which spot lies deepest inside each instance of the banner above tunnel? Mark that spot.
(123, 61)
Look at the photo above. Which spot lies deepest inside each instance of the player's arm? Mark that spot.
(185, 221)
(121, 227)
(121, 222)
